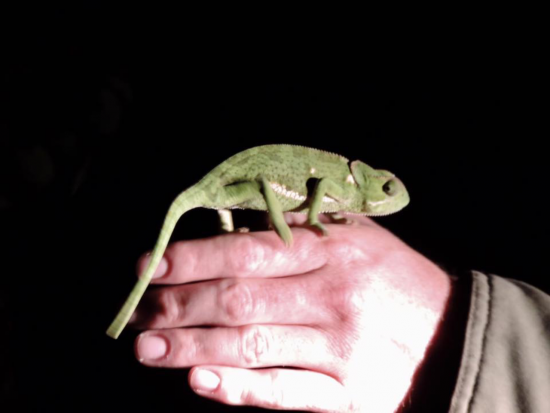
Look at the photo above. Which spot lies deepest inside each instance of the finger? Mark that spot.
(250, 346)
(273, 388)
(235, 302)
(296, 219)
(257, 254)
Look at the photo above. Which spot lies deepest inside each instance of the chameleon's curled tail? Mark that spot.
(189, 199)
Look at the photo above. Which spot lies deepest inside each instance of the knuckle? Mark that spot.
(255, 345)
(238, 392)
(351, 406)
(247, 257)
(238, 302)
(347, 300)
(347, 309)
(270, 396)
(188, 254)
(276, 393)
(248, 397)
(191, 350)
(169, 311)
(348, 252)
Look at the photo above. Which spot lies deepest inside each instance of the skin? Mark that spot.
(274, 178)
(354, 312)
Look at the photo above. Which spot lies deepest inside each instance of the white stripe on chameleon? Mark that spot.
(312, 171)
(350, 179)
(281, 189)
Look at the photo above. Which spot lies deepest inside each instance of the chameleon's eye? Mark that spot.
(390, 188)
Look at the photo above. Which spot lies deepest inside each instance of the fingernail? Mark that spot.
(152, 347)
(161, 268)
(205, 380)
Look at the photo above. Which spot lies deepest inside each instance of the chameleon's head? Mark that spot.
(382, 193)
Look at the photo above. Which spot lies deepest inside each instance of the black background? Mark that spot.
(105, 122)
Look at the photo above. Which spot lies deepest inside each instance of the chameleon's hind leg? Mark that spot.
(239, 193)
(226, 222)
(275, 212)
(325, 187)
(242, 192)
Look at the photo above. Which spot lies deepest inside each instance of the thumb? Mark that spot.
(273, 388)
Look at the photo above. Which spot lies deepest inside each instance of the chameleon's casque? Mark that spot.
(277, 178)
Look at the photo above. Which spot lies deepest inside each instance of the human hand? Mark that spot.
(337, 323)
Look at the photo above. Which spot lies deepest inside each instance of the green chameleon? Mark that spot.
(277, 178)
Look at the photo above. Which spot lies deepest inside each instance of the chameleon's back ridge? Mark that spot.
(275, 160)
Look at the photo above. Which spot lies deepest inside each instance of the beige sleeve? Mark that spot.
(505, 363)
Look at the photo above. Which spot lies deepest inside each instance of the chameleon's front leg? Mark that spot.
(275, 212)
(323, 188)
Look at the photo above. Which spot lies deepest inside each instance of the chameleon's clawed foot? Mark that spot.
(286, 235)
(320, 227)
(342, 219)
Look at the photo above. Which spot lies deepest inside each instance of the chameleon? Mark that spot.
(276, 178)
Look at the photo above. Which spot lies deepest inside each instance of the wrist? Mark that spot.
(435, 379)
